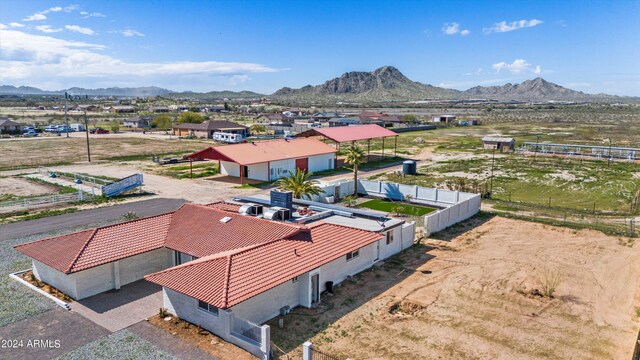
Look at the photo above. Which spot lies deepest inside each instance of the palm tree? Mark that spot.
(300, 184)
(355, 156)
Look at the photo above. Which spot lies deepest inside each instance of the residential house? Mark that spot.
(270, 160)
(274, 119)
(122, 109)
(89, 107)
(207, 128)
(139, 122)
(159, 109)
(8, 126)
(222, 266)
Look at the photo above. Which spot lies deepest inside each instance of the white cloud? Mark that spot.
(518, 66)
(93, 14)
(238, 79)
(445, 85)
(35, 17)
(477, 72)
(127, 32)
(453, 29)
(42, 59)
(16, 25)
(41, 15)
(503, 26)
(47, 29)
(3, 26)
(79, 29)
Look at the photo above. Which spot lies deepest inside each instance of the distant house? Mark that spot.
(137, 122)
(122, 109)
(207, 128)
(8, 126)
(274, 119)
(499, 143)
(88, 107)
(444, 119)
(325, 116)
(159, 109)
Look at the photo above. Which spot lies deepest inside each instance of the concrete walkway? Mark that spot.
(117, 309)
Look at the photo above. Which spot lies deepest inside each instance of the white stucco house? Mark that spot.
(270, 160)
(224, 266)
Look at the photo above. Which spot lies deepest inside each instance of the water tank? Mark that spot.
(409, 167)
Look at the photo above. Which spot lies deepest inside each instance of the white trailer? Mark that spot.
(227, 137)
(77, 127)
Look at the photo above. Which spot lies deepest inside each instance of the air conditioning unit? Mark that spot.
(251, 209)
(285, 310)
(277, 213)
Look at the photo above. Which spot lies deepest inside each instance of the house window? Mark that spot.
(353, 255)
(389, 237)
(295, 279)
(207, 307)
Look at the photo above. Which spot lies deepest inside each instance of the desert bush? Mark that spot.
(550, 281)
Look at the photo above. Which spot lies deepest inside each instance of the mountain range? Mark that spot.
(389, 84)
(383, 84)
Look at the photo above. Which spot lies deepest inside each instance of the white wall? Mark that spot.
(281, 168)
(266, 305)
(186, 308)
(258, 172)
(229, 168)
(321, 162)
(94, 280)
(136, 267)
(66, 283)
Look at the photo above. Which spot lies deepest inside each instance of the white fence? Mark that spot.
(46, 200)
(453, 206)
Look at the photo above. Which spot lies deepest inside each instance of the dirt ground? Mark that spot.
(23, 187)
(472, 296)
(202, 339)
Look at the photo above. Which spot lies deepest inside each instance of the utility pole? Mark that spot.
(66, 120)
(535, 154)
(86, 130)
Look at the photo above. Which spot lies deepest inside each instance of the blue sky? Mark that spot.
(593, 46)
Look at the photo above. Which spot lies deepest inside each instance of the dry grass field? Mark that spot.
(475, 296)
(37, 151)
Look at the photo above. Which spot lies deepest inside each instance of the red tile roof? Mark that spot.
(226, 206)
(86, 249)
(264, 151)
(227, 279)
(197, 230)
(350, 133)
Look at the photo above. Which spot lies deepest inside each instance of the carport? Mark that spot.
(351, 134)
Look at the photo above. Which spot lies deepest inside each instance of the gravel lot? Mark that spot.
(120, 345)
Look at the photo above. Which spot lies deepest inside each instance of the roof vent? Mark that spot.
(225, 219)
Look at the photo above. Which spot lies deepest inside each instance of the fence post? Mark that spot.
(265, 344)
(307, 349)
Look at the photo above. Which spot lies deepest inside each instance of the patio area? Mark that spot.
(118, 309)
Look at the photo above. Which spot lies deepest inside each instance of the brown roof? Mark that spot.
(264, 151)
(212, 126)
(227, 279)
(8, 122)
(350, 133)
(86, 249)
(197, 230)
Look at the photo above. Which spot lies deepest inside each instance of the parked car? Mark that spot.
(51, 129)
(99, 131)
(29, 133)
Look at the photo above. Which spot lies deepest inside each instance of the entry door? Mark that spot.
(245, 171)
(315, 288)
(303, 164)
